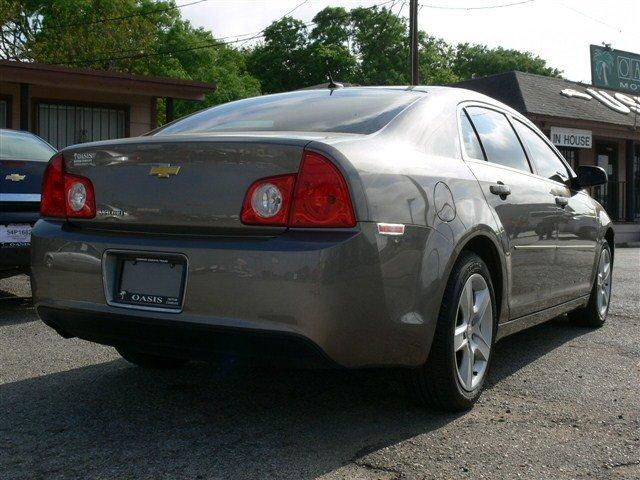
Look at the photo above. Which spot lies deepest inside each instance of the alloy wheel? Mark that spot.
(603, 282)
(473, 332)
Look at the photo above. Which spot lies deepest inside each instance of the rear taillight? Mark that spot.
(317, 196)
(52, 202)
(65, 195)
(268, 201)
(321, 197)
(80, 202)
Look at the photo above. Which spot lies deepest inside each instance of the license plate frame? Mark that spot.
(10, 239)
(129, 267)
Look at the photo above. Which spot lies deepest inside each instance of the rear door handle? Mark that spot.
(562, 201)
(500, 189)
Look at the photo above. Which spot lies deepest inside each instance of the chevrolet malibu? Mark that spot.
(356, 227)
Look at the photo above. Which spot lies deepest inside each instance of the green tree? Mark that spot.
(143, 37)
(281, 61)
(436, 61)
(380, 41)
(332, 26)
(369, 46)
(479, 60)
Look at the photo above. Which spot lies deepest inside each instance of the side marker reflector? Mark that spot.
(391, 229)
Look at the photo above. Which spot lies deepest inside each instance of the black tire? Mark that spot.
(436, 384)
(147, 360)
(590, 315)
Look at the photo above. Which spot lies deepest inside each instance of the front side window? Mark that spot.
(543, 157)
(471, 143)
(501, 145)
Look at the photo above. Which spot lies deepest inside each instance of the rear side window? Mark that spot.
(346, 110)
(544, 158)
(500, 142)
(471, 144)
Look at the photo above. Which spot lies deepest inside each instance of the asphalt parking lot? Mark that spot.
(563, 402)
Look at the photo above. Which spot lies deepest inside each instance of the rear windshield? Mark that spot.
(348, 110)
(20, 146)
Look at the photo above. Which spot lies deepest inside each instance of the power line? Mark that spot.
(125, 17)
(483, 7)
(295, 8)
(589, 17)
(262, 31)
(213, 44)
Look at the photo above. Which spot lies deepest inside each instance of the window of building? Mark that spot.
(4, 113)
(570, 154)
(500, 143)
(547, 163)
(471, 143)
(66, 124)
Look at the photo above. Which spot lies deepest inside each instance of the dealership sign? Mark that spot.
(571, 137)
(615, 69)
(619, 102)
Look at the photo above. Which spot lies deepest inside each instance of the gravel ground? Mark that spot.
(562, 403)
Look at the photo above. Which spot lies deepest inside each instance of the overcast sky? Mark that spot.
(560, 31)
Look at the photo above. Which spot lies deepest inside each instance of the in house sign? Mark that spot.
(571, 137)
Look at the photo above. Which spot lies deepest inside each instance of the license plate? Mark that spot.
(16, 233)
(151, 282)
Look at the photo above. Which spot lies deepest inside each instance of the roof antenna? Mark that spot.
(333, 85)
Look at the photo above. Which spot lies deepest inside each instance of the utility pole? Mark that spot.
(413, 40)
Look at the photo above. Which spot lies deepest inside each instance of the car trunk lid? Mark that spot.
(179, 185)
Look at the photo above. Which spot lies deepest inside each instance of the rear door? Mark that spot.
(578, 222)
(524, 204)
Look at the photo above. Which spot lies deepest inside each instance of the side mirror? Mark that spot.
(589, 176)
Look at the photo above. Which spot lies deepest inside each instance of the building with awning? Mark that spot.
(590, 126)
(67, 106)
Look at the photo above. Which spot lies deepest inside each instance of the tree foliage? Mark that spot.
(137, 39)
(370, 46)
(364, 45)
(478, 61)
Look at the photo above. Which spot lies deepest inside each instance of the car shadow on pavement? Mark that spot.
(15, 309)
(114, 420)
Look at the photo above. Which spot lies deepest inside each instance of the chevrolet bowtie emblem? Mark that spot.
(15, 177)
(164, 171)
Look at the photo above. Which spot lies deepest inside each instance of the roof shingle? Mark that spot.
(538, 94)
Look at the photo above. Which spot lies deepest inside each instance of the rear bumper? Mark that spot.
(186, 340)
(356, 298)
